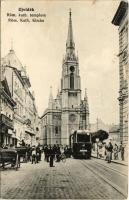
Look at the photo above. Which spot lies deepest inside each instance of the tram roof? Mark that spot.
(83, 131)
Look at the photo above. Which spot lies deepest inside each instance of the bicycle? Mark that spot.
(63, 157)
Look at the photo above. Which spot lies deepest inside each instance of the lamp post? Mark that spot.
(97, 140)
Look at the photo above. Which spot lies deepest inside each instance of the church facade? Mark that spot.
(67, 112)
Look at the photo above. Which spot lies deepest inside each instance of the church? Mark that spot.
(67, 112)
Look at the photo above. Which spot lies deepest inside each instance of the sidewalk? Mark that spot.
(121, 162)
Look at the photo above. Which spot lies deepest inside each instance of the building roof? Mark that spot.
(123, 6)
(5, 86)
(114, 128)
(6, 92)
(12, 60)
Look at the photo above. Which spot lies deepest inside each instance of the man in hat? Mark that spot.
(109, 151)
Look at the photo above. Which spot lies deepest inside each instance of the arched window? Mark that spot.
(71, 81)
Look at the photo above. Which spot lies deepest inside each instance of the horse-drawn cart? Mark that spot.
(22, 153)
(9, 157)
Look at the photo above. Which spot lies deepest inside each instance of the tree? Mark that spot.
(101, 134)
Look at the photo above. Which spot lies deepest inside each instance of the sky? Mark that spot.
(40, 46)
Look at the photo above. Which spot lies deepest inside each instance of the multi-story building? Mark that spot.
(19, 85)
(67, 112)
(7, 115)
(121, 20)
(114, 133)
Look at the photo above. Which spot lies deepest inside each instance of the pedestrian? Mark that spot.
(48, 153)
(28, 153)
(40, 152)
(45, 152)
(109, 148)
(34, 155)
(37, 153)
(115, 149)
(58, 153)
(51, 153)
(122, 150)
(100, 152)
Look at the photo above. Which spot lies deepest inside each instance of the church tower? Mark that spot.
(70, 88)
(67, 112)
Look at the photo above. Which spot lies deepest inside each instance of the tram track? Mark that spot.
(94, 169)
(115, 170)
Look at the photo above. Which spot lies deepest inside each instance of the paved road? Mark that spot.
(70, 180)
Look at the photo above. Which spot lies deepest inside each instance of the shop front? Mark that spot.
(6, 130)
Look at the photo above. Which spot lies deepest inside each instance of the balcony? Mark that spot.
(4, 120)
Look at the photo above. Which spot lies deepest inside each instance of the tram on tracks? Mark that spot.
(80, 144)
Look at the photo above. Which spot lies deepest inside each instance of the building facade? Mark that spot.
(121, 20)
(114, 134)
(67, 112)
(7, 115)
(25, 113)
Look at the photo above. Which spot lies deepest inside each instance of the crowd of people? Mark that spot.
(111, 151)
(33, 153)
(54, 152)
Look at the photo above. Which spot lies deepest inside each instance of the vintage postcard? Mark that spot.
(64, 99)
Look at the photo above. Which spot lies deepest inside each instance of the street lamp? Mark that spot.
(97, 140)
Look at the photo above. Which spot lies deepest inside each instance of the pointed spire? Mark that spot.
(70, 43)
(85, 97)
(58, 94)
(11, 49)
(50, 98)
(11, 44)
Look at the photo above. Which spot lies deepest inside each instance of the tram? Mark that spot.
(80, 144)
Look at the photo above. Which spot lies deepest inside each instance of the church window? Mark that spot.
(72, 106)
(71, 81)
(56, 130)
(83, 117)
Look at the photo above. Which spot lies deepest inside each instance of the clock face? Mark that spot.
(72, 117)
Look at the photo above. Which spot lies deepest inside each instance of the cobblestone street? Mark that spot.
(70, 180)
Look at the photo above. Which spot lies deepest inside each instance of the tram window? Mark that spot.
(83, 138)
